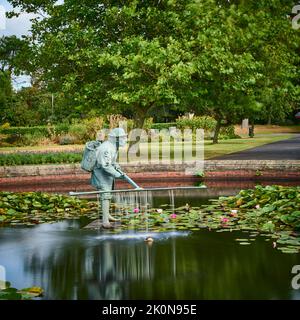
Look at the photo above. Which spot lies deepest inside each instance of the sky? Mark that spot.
(16, 26)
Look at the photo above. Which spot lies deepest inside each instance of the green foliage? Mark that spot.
(63, 133)
(10, 293)
(5, 95)
(208, 124)
(276, 203)
(67, 139)
(208, 56)
(38, 158)
(86, 129)
(161, 126)
(148, 123)
(228, 133)
(13, 54)
(273, 211)
(31, 208)
(24, 130)
(205, 123)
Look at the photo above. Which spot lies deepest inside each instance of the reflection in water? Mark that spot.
(70, 263)
(97, 267)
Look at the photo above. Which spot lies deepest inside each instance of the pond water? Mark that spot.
(70, 262)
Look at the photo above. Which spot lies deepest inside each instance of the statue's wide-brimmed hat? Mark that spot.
(117, 132)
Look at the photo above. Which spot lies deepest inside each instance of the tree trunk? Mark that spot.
(251, 130)
(269, 119)
(217, 131)
(138, 123)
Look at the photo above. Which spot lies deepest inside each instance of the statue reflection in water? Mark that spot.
(84, 265)
(82, 270)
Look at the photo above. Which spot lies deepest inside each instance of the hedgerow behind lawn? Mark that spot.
(39, 158)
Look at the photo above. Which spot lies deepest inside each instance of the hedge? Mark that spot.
(39, 158)
(43, 130)
(160, 126)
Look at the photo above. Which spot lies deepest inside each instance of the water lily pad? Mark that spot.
(288, 250)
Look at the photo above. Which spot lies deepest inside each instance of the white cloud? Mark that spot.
(18, 25)
(20, 82)
(2, 18)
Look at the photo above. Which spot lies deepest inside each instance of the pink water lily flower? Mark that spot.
(173, 216)
(257, 206)
(224, 220)
(233, 213)
(136, 210)
(159, 210)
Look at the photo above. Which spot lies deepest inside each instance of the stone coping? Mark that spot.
(140, 167)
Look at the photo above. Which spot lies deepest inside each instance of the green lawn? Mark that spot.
(72, 154)
(235, 145)
(214, 150)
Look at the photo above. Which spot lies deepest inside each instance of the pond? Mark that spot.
(70, 262)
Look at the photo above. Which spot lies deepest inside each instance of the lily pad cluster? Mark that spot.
(269, 208)
(31, 208)
(271, 211)
(10, 293)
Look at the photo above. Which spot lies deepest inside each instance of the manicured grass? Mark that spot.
(73, 154)
(235, 145)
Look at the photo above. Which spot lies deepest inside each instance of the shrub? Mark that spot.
(228, 133)
(160, 126)
(93, 125)
(67, 139)
(206, 123)
(39, 158)
(79, 131)
(24, 130)
(14, 139)
(5, 125)
(148, 123)
(62, 128)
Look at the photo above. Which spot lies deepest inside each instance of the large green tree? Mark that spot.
(112, 55)
(247, 57)
(211, 56)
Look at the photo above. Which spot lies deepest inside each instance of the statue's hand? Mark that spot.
(117, 167)
(122, 174)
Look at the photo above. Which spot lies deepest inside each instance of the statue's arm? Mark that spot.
(107, 164)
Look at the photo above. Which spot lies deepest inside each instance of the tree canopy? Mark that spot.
(226, 58)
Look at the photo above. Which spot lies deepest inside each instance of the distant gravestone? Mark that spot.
(245, 124)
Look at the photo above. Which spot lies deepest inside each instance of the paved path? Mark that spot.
(280, 150)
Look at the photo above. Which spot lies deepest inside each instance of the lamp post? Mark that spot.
(52, 104)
